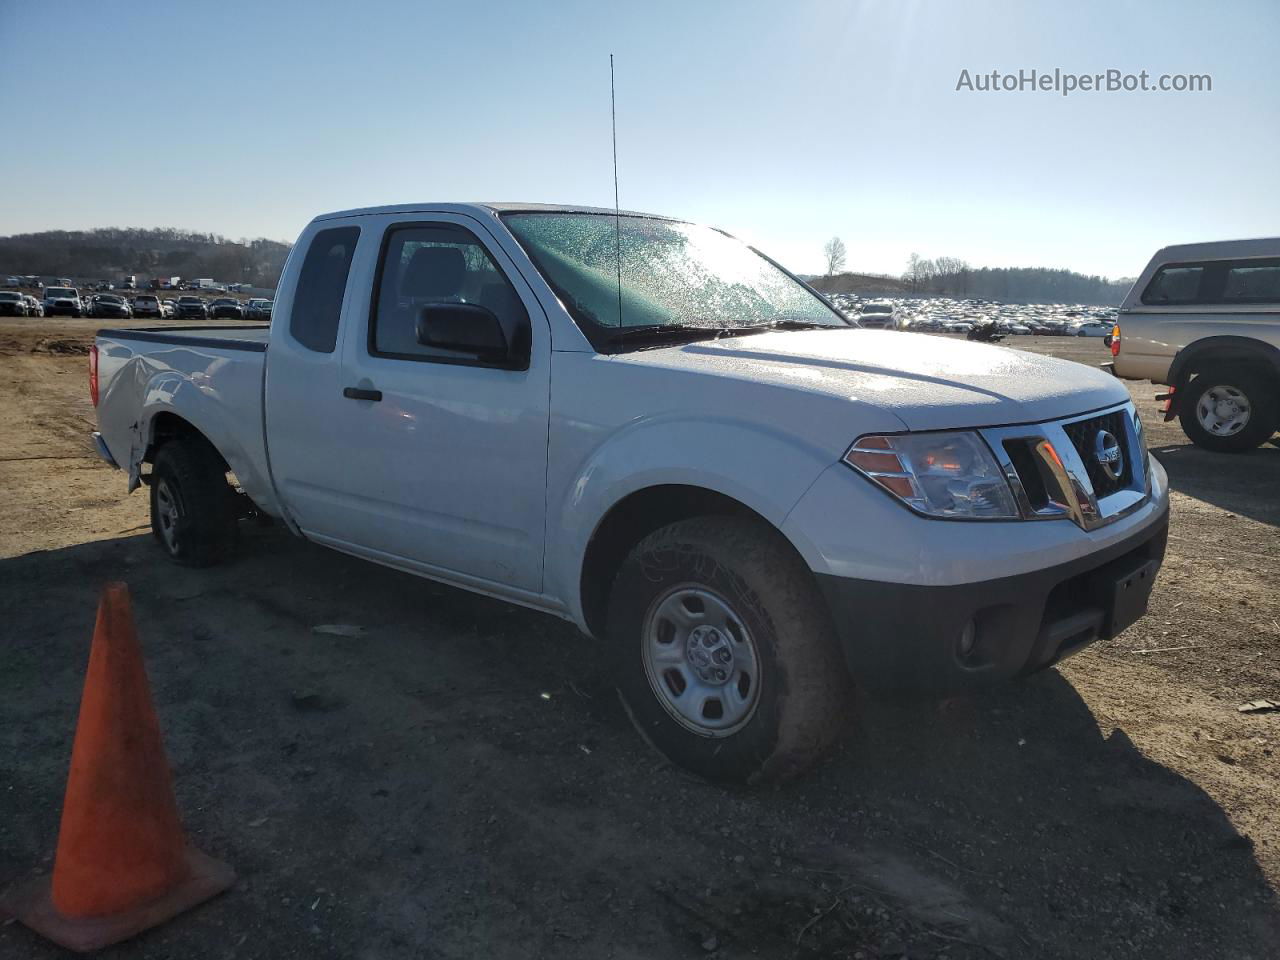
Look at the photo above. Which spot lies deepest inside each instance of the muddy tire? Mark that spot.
(193, 508)
(1229, 409)
(724, 653)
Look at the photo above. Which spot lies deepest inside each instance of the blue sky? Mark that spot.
(785, 123)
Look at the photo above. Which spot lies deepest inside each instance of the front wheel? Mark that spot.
(724, 653)
(193, 508)
(1229, 410)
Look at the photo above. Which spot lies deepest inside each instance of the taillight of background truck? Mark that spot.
(93, 374)
(1115, 340)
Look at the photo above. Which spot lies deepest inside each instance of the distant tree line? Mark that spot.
(952, 277)
(112, 252)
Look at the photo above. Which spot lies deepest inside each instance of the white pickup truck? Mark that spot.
(654, 431)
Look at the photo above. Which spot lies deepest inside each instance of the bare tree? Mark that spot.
(919, 272)
(835, 252)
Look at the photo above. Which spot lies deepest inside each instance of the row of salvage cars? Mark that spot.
(943, 315)
(68, 301)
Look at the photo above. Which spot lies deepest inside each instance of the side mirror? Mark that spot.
(464, 327)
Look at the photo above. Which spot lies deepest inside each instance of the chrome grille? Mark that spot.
(1055, 473)
(1083, 434)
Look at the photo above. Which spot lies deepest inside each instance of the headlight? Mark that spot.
(951, 475)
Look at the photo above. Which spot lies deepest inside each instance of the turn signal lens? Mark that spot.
(1115, 340)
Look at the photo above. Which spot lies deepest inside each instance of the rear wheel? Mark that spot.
(724, 652)
(193, 508)
(1229, 409)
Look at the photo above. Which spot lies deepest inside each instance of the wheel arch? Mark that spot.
(166, 426)
(633, 518)
(1209, 351)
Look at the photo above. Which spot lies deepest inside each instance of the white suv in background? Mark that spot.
(1204, 318)
(878, 315)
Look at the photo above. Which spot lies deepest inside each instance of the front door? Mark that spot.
(445, 454)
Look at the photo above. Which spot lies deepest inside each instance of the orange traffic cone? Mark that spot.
(123, 864)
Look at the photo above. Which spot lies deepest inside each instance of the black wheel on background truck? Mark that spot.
(193, 508)
(1229, 409)
(724, 652)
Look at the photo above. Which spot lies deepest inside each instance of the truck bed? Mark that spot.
(226, 336)
(210, 376)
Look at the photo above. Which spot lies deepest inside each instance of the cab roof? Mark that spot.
(483, 209)
(1220, 250)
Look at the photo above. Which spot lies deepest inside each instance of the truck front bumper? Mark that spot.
(941, 639)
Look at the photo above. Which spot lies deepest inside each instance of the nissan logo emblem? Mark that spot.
(1106, 450)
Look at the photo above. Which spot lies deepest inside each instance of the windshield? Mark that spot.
(877, 308)
(60, 292)
(673, 275)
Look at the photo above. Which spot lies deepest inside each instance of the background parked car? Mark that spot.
(106, 305)
(34, 307)
(147, 305)
(1093, 328)
(257, 309)
(226, 308)
(168, 308)
(63, 300)
(878, 315)
(12, 304)
(191, 308)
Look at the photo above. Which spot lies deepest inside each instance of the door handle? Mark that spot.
(357, 393)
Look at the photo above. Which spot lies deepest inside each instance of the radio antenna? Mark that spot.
(617, 211)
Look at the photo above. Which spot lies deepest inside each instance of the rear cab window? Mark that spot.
(1252, 281)
(1215, 283)
(1175, 283)
(322, 283)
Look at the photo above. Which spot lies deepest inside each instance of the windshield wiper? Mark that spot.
(663, 331)
(691, 332)
(787, 323)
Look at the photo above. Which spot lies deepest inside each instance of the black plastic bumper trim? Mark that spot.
(904, 638)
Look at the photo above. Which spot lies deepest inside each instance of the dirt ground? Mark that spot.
(459, 781)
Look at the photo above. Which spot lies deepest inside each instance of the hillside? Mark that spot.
(1007, 284)
(113, 252)
(863, 284)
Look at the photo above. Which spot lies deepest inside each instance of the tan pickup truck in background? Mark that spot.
(1204, 318)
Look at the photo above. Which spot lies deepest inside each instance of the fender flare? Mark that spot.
(169, 392)
(742, 462)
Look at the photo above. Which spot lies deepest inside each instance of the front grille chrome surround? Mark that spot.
(1062, 487)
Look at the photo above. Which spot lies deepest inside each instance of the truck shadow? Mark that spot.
(457, 776)
(1019, 797)
(1243, 484)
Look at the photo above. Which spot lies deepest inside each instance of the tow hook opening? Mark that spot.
(979, 642)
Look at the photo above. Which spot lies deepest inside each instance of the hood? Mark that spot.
(929, 383)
